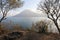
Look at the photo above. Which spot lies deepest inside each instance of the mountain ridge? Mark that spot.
(28, 13)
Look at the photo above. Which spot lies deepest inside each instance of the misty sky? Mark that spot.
(28, 4)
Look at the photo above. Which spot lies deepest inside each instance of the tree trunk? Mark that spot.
(56, 24)
(1, 19)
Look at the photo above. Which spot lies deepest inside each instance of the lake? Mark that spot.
(26, 21)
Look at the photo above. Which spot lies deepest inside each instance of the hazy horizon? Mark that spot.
(28, 4)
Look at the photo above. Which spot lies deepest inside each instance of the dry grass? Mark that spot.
(34, 36)
(41, 36)
(26, 35)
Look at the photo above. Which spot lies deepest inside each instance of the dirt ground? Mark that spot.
(30, 36)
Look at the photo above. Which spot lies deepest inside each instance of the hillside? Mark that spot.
(28, 13)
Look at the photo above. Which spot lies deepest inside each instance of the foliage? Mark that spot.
(3, 30)
(17, 27)
(7, 5)
(28, 29)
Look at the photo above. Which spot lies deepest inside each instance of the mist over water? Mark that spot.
(26, 21)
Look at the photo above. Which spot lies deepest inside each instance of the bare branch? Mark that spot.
(58, 16)
(6, 5)
(52, 9)
(49, 17)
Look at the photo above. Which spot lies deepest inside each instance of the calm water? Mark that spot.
(26, 21)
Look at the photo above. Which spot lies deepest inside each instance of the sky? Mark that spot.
(28, 4)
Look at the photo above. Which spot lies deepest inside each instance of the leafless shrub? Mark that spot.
(40, 26)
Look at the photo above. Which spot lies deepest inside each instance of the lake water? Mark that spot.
(26, 21)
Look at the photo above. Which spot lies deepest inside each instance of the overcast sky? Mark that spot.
(28, 4)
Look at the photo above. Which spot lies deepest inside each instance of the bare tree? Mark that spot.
(7, 5)
(52, 9)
